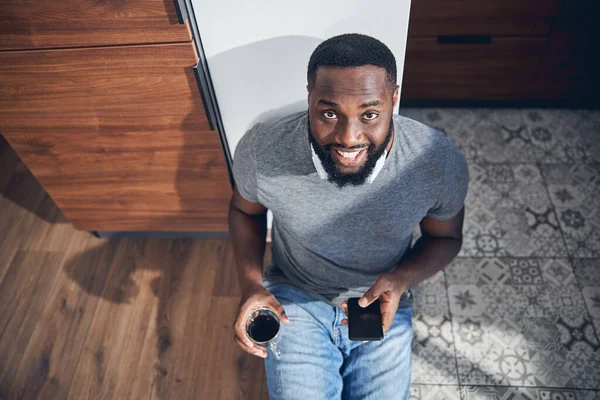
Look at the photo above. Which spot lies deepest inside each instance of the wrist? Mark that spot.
(251, 286)
(405, 273)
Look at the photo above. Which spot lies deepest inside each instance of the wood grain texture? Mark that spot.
(117, 136)
(500, 70)
(485, 17)
(49, 362)
(119, 323)
(23, 292)
(19, 201)
(114, 319)
(40, 24)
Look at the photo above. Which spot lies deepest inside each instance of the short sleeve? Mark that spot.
(453, 186)
(244, 166)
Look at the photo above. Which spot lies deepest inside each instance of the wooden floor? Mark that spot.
(88, 318)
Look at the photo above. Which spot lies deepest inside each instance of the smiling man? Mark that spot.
(347, 182)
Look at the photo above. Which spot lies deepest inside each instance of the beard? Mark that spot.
(342, 179)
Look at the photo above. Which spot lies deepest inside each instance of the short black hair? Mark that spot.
(352, 50)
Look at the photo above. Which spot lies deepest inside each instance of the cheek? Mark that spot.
(322, 131)
(377, 134)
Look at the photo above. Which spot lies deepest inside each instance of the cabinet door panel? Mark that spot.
(117, 136)
(481, 17)
(42, 24)
(501, 70)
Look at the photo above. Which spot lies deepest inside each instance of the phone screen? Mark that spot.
(364, 323)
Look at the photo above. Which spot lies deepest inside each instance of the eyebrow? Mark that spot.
(372, 103)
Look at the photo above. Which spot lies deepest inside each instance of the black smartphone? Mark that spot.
(364, 323)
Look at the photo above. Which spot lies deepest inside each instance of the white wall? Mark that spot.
(258, 50)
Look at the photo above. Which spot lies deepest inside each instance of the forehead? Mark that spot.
(351, 83)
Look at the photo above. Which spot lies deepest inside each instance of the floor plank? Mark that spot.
(114, 343)
(21, 195)
(23, 293)
(185, 313)
(240, 375)
(48, 364)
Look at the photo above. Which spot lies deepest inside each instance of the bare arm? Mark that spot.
(248, 230)
(436, 248)
(440, 243)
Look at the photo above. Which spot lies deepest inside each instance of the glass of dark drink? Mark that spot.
(262, 327)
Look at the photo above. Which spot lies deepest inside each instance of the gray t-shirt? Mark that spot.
(333, 242)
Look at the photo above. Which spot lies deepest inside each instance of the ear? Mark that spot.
(395, 97)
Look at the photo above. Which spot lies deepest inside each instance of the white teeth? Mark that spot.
(348, 155)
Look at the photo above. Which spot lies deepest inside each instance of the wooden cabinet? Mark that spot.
(430, 18)
(502, 50)
(42, 24)
(570, 64)
(117, 134)
(501, 69)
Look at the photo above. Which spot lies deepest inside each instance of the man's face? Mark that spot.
(350, 112)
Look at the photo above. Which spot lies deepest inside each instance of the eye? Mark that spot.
(370, 115)
(329, 114)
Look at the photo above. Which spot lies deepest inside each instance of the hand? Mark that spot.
(344, 307)
(388, 288)
(257, 298)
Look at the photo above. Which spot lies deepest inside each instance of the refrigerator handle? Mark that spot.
(202, 74)
(203, 88)
(181, 11)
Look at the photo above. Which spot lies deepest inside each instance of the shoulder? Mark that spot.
(423, 142)
(267, 135)
(277, 132)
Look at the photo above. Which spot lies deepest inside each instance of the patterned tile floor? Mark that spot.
(517, 315)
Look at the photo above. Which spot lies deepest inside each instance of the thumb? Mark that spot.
(381, 286)
(281, 313)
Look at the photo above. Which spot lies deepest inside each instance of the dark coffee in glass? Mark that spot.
(262, 327)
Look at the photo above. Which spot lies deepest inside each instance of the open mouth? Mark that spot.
(349, 158)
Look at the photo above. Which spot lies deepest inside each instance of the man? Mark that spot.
(347, 183)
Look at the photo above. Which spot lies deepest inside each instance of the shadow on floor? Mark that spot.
(18, 185)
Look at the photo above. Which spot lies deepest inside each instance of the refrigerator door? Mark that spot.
(257, 51)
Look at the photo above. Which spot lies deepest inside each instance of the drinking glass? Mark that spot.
(262, 327)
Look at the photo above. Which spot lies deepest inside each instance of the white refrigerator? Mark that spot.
(254, 54)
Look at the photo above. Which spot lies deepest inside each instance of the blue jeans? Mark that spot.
(318, 361)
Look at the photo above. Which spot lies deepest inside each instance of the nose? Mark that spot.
(349, 133)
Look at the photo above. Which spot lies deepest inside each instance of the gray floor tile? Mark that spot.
(524, 393)
(588, 276)
(433, 344)
(522, 320)
(433, 392)
(516, 331)
(575, 193)
(483, 135)
(508, 213)
(564, 136)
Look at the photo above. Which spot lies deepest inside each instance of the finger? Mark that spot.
(240, 334)
(278, 308)
(256, 351)
(379, 288)
(345, 322)
(387, 318)
(344, 307)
